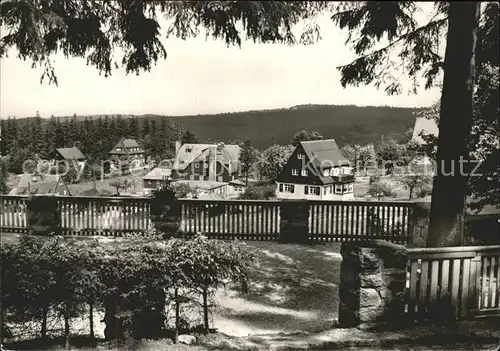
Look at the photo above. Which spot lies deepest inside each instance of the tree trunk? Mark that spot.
(205, 308)
(43, 332)
(411, 194)
(177, 316)
(66, 328)
(91, 319)
(450, 184)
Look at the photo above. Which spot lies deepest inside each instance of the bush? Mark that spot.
(131, 280)
(424, 191)
(259, 192)
(381, 188)
(43, 215)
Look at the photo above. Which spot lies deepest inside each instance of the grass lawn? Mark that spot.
(294, 287)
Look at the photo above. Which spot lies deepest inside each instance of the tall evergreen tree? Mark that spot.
(133, 127)
(145, 130)
(51, 135)
(121, 125)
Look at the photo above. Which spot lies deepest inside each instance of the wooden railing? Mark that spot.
(360, 220)
(83, 215)
(243, 219)
(464, 281)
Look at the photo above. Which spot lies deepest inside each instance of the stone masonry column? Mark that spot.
(372, 283)
(294, 221)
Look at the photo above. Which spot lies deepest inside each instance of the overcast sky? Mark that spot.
(199, 76)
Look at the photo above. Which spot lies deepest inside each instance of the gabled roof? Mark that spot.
(189, 153)
(39, 184)
(324, 153)
(426, 125)
(31, 179)
(126, 144)
(71, 153)
(95, 192)
(158, 173)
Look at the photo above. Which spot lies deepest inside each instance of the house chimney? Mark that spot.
(177, 147)
(212, 164)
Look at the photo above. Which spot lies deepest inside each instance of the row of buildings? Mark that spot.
(315, 170)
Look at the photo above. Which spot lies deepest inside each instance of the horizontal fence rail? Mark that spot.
(242, 219)
(463, 282)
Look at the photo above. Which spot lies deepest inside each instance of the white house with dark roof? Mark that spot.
(128, 151)
(316, 170)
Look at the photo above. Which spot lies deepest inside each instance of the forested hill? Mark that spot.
(347, 124)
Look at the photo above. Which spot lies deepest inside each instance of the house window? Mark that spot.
(281, 188)
(289, 188)
(315, 190)
(325, 189)
(334, 172)
(306, 189)
(295, 172)
(304, 172)
(326, 172)
(351, 187)
(346, 188)
(338, 188)
(118, 149)
(300, 156)
(347, 170)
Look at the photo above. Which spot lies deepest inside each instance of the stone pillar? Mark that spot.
(165, 212)
(372, 283)
(294, 221)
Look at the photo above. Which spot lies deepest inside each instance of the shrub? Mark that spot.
(424, 191)
(165, 210)
(259, 192)
(381, 188)
(131, 280)
(43, 215)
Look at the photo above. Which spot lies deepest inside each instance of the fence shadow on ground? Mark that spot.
(293, 287)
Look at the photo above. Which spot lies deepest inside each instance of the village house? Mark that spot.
(41, 184)
(206, 162)
(316, 170)
(155, 178)
(128, 152)
(73, 155)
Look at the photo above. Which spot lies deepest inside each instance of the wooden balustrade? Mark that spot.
(464, 281)
(243, 219)
(13, 214)
(360, 220)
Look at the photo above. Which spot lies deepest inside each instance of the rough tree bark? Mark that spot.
(446, 225)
